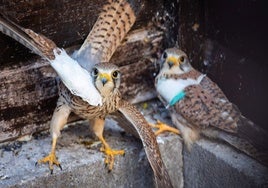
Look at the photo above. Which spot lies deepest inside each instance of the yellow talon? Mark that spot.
(162, 127)
(51, 159)
(110, 154)
(97, 127)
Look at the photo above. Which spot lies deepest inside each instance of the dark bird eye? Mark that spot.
(182, 59)
(95, 72)
(164, 55)
(115, 74)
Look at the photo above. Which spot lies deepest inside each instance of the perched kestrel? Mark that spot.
(198, 106)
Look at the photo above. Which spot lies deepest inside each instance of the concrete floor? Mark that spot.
(209, 164)
(83, 163)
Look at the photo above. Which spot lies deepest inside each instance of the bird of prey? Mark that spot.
(106, 80)
(198, 106)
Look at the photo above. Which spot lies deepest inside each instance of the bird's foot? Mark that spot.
(162, 127)
(110, 154)
(51, 159)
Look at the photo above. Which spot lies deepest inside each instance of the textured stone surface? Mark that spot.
(82, 166)
(211, 164)
(83, 163)
(171, 150)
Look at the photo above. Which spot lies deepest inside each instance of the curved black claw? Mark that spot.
(51, 171)
(109, 170)
(60, 167)
(35, 163)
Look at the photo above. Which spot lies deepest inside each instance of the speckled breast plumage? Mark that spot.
(83, 109)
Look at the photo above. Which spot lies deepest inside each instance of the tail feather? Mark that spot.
(250, 139)
(253, 133)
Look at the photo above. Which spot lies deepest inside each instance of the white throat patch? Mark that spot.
(169, 88)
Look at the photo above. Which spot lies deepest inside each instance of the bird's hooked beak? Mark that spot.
(104, 77)
(171, 61)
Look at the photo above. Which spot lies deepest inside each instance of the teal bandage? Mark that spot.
(177, 98)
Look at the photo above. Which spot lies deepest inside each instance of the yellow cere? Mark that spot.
(106, 76)
(173, 59)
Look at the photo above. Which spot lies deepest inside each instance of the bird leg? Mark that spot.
(59, 119)
(162, 127)
(51, 159)
(98, 126)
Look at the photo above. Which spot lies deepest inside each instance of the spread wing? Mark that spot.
(148, 139)
(67, 68)
(113, 23)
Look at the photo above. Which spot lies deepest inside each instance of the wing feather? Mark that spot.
(112, 25)
(148, 139)
(206, 105)
(39, 44)
(75, 78)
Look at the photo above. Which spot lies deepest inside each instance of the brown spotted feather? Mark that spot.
(205, 108)
(39, 44)
(206, 105)
(45, 44)
(113, 23)
(148, 139)
(86, 111)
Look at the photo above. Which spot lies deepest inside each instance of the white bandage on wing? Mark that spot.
(76, 79)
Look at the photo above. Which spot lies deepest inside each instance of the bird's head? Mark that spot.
(174, 61)
(106, 78)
